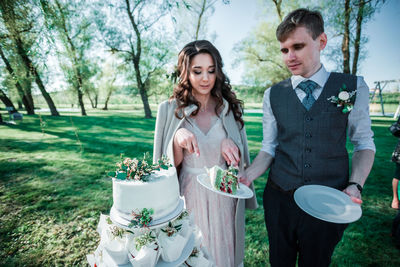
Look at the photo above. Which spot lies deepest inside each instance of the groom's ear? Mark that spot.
(322, 39)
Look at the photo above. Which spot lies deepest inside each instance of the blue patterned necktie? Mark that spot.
(308, 87)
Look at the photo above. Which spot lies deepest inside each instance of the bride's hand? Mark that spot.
(230, 152)
(186, 140)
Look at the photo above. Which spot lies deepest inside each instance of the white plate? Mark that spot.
(123, 223)
(187, 250)
(327, 203)
(242, 192)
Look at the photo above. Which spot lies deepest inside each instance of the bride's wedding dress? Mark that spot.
(213, 213)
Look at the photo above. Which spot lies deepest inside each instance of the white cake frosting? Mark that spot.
(160, 193)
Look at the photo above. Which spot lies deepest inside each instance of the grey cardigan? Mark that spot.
(166, 126)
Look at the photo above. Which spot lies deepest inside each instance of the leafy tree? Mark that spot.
(260, 51)
(7, 101)
(28, 101)
(133, 29)
(67, 20)
(345, 20)
(261, 57)
(18, 32)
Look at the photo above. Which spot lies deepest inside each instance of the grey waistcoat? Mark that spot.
(311, 144)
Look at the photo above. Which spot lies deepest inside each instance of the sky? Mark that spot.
(235, 21)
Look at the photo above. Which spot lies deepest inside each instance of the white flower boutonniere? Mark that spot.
(345, 99)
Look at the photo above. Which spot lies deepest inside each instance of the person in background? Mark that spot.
(395, 200)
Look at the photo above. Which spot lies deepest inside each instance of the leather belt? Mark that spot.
(273, 185)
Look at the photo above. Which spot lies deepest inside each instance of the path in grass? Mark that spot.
(53, 188)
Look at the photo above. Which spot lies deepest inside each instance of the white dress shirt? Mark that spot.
(359, 122)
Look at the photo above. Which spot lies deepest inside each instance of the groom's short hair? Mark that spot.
(302, 17)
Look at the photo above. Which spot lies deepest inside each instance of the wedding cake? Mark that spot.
(160, 193)
(147, 225)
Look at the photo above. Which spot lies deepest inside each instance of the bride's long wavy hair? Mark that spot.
(222, 88)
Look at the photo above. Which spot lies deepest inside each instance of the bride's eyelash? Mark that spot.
(199, 72)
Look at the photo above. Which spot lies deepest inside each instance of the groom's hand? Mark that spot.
(353, 193)
(187, 140)
(243, 178)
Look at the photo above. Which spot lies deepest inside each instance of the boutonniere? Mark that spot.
(345, 99)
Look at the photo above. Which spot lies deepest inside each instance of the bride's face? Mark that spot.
(202, 74)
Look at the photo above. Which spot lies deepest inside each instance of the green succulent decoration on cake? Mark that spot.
(139, 169)
(142, 218)
(170, 230)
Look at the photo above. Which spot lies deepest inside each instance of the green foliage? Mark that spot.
(333, 13)
(144, 240)
(387, 98)
(170, 230)
(261, 56)
(142, 218)
(139, 169)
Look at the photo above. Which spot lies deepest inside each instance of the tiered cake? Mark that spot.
(148, 225)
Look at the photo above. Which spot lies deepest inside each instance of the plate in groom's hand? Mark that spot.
(327, 203)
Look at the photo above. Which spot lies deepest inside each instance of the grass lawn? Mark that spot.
(53, 188)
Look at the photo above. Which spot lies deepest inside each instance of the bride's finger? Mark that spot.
(231, 159)
(196, 147)
(189, 147)
(236, 158)
(226, 158)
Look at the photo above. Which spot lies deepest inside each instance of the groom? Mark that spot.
(304, 142)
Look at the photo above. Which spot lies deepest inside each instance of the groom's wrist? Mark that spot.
(359, 187)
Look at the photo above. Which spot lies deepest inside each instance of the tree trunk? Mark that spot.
(278, 4)
(90, 99)
(360, 15)
(20, 105)
(28, 90)
(96, 100)
(142, 90)
(136, 61)
(7, 101)
(203, 8)
(28, 63)
(107, 99)
(47, 97)
(28, 107)
(80, 102)
(346, 38)
(145, 100)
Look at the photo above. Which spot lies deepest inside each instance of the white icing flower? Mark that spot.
(343, 95)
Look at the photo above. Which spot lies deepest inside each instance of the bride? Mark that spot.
(201, 125)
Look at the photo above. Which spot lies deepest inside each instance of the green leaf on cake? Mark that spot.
(121, 175)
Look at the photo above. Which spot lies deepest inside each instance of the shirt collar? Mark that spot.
(320, 77)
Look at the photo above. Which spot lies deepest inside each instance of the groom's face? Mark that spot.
(301, 53)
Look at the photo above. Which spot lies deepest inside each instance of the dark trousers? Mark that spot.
(396, 230)
(293, 233)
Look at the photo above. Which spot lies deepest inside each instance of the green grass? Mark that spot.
(53, 188)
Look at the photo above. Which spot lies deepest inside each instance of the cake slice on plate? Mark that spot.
(224, 180)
